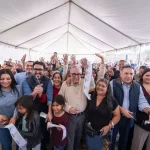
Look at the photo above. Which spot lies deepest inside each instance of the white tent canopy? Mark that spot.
(81, 27)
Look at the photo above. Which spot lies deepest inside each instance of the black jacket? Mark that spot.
(33, 135)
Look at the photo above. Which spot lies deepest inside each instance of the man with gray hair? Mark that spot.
(75, 105)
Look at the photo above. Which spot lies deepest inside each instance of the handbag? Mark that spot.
(90, 131)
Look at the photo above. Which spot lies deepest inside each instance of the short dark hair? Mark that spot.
(39, 63)
(29, 61)
(8, 65)
(93, 69)
(26, 101)
(126, 66)
(122, 60)
(59, 99)
(143, 67)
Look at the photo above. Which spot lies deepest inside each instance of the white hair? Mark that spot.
(76, 67)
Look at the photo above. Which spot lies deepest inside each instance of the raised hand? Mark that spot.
(23, 58)
(101, 57)
(73, 58)
(65, 59)
(84, 62)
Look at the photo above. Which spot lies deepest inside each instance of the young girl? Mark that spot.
(59, 118)
(28, 123)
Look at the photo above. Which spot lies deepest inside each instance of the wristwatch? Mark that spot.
(112, 124)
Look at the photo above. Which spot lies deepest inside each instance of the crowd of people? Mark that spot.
(117, 114)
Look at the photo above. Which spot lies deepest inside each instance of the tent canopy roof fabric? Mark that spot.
(94, 25)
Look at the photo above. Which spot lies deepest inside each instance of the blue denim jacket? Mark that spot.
(7, 101)
(49, 92)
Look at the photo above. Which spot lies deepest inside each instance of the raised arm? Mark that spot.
(65, 67)
(102, 68)
(23, 61)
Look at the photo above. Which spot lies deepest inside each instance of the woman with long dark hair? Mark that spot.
(9, 93)
(103, 113)
(57, 81)
(141, 135)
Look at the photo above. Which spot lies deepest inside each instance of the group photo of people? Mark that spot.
(115, 116)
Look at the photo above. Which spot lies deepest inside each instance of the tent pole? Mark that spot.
(67, 42)
(30, 54)
(139, 56)
(69, 12)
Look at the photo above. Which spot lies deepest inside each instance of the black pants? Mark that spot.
(123, 127)
(42, 107)
(45, 134)
(130, 137)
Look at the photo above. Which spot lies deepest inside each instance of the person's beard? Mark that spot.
(28, 73)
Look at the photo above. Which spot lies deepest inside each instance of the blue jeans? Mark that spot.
(59, 147)
(123, 127)
(94, 143)
(5, 139)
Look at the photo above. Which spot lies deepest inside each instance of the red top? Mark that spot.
(56, 134)
(42, 98)
(55, 91)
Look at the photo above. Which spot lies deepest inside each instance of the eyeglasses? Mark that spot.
(75, 74)
(37, 69)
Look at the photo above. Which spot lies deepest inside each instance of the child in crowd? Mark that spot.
(28, 123)
(59, 118)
